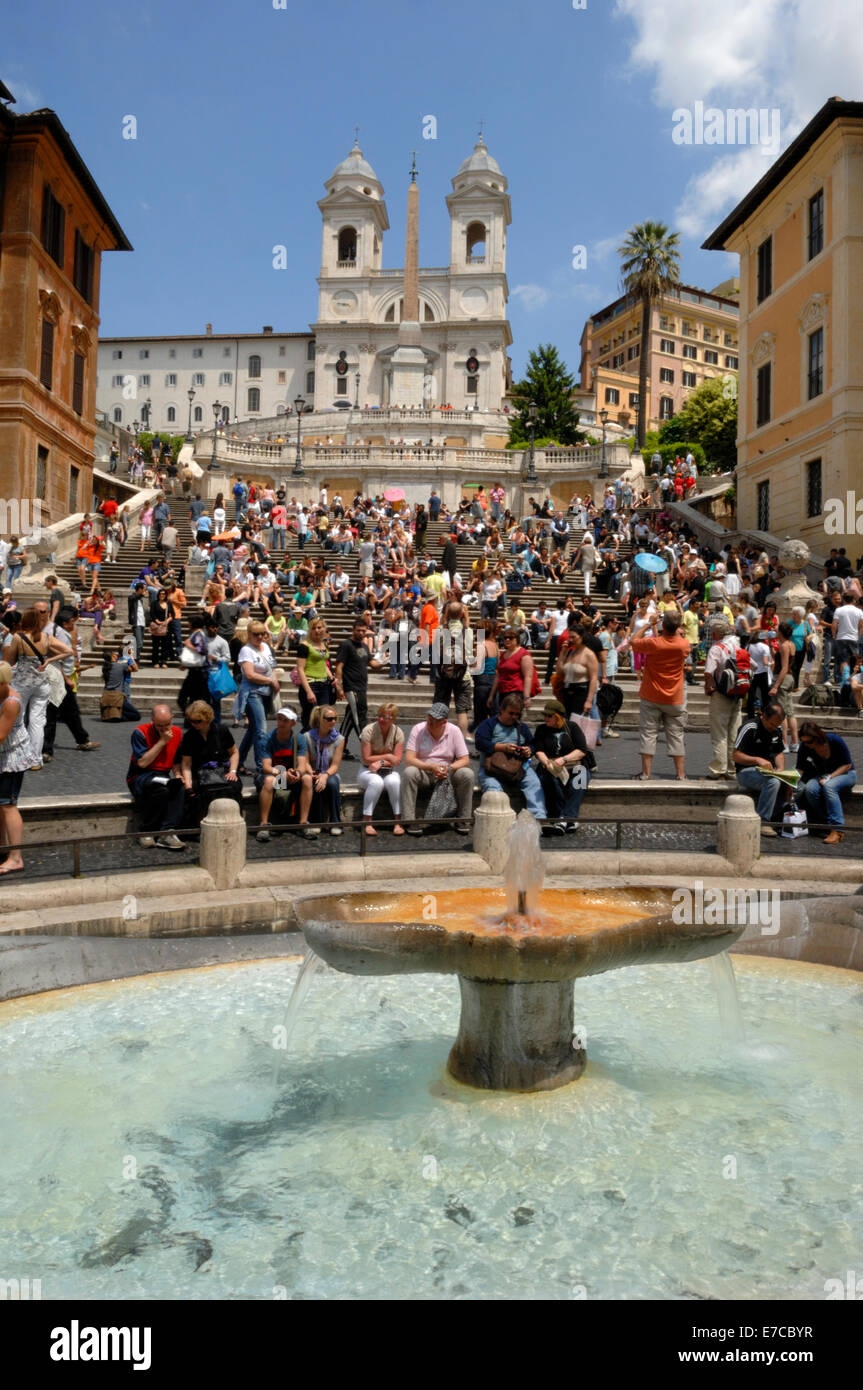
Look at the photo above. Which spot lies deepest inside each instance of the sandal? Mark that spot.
(370, 830)
(641, 777)
(398, 829)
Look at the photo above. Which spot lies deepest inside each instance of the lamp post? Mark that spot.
(136, 425)
(216, 408)
(191, 394)
(603, 462)
(145, 414)
(298, 470)
(637, 404)
(532, 414)
(357, 400)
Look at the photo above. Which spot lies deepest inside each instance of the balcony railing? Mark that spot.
(476, 260)
(346, 265)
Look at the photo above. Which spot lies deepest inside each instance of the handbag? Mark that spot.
(506, 767)
(442, 804)
(158, 629)
(589, 727)
(211, 777)
(220, 682)
(794, 823)
(188, 658)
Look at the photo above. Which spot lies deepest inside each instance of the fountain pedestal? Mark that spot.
(516, 1037)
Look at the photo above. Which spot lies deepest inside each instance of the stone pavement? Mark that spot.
(104, 769)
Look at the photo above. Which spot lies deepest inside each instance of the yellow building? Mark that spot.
(799, 235)
(693, 336)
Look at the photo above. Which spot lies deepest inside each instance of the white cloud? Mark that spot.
(27, 98)
(772, 54)
(608, 245)
(531, 296)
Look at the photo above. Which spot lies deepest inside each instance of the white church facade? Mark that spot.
(430, 343)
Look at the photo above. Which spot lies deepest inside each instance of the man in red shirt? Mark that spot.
(662, 694)
(157, 792)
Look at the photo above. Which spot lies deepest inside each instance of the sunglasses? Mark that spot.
(329, 718)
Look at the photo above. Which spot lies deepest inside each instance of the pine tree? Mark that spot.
(549, 386)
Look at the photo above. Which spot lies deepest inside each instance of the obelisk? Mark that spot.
(408, 360)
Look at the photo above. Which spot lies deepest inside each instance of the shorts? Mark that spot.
(783, 696)
(94, 566)
(461, 691)
(670, 718)
(10, 787)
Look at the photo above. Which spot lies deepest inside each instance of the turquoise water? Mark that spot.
(147, 1153)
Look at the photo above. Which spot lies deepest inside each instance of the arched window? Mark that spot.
(310, 383)
(226, 414)
(310, 352)
(476, 243)
(254, 402)
(172, 415)
(199, 414)
(428, 313)
(254, 366)
(390, 315)
(118, 415)
(348, 245)
(280, 410)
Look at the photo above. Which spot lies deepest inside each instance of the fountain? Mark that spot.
(516, 968)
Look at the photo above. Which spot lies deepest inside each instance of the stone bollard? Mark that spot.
(223, 842)
(87, 636)
(738, 832)
(492, 822)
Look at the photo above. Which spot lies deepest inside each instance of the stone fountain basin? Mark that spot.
(386, 934)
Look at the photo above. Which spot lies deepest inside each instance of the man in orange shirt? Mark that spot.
(662, 694)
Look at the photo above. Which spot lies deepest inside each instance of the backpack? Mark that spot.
(818, 696)
(732, 678)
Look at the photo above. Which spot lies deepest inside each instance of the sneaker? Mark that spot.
(462, 829)
(85, 747)
(414, 829)
(768, 831)
(571, 827)
(146, 842)
(610, 733)
(794, 747)
(336, 830)
(170, 842)
(48, 757)
(263, 835)
(555, 828)
(310, 832)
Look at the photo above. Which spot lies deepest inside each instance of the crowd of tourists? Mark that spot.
(462, 619)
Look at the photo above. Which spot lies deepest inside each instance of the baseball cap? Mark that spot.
(286, 713)
(439, 711)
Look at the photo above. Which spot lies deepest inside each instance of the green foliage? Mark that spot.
(176, 441)
(549, 386)
(708, 417)
(650, 445)
(669, 452)
(540, 444)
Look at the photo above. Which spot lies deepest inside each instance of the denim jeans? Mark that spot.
(257, 731)
(530, 788)
(278, 534)
(12, 574)
(827, 797)
(766, 787)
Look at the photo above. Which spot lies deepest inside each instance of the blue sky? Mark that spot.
(244, 110)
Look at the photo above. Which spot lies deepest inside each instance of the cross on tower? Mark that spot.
(481, 125)
(356, 135)
(413, 166)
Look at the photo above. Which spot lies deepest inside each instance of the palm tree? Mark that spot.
(651, 267)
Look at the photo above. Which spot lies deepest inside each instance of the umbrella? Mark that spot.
(654, 564)
(394, 494)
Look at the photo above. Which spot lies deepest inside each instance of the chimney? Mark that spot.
(209, 330)
(267, 328)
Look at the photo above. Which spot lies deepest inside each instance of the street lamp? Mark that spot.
(637, 404)
(357, 401)
(532, 414)
(216, 408)
(298, 470)
(145, 413)
(136, 425)
(191, 394)
(603, 462)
